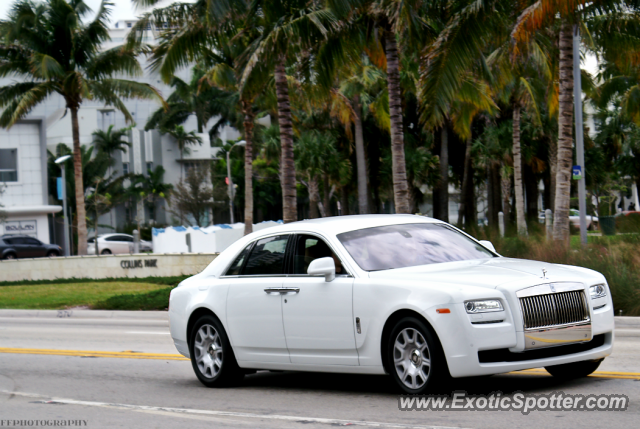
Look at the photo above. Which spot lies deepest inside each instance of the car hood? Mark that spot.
(490, 273)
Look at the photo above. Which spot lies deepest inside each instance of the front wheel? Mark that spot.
(573, 370)
(211, 355)
(415, 358)
(52, 254)
(106, 252)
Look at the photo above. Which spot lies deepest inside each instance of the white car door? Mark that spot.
(318, 319)
(254, 302)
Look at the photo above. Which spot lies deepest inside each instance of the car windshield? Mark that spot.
(400, 246)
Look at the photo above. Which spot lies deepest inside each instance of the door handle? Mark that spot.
(282, 290)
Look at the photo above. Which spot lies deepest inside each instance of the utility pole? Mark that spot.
(231, 190)
(577, 100)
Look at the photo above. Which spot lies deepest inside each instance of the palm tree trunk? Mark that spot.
(506, 196)
(521, 221)
(314, 197)
(565, 137)
(399, 170)
(326, 201)
(553, 168)
(248, 167)
(287, 166)
(464, 189)
(444, 175)
(363, 203)
(81, 213)
(344, 201)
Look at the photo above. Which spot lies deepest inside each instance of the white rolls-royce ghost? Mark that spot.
(403, 295)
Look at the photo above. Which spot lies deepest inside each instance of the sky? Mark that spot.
(122, 9)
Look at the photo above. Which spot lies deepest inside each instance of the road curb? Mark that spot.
(86, 314)
(627, 322)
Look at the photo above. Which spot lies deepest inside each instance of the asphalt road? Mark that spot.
(113, 386)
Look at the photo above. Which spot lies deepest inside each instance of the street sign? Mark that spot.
(59, 183)
(577, 172)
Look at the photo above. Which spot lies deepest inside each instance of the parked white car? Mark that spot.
(574, 218)
(403, 295)
(114, 244)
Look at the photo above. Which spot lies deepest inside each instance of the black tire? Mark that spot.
(569, 371)
(10, 256)
(105, 252)
(438, 371)
(52, 254)
(228, 372)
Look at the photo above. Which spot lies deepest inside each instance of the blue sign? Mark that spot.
(59, 183)
(577, 172)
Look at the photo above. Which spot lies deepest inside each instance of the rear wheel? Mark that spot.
(106, 252)
(211, 355)
(573, 370)
(10, 256)
(414, 357)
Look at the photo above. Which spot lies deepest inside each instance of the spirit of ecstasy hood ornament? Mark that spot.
(544, 273)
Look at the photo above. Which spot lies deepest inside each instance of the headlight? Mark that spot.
(598, 291)
(483, 306)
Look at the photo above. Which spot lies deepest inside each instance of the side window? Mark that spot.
(16, 240)
(267, 257)
(126, 238)
(235, 268)
(113, 238)
(309, 248)
(33, 242)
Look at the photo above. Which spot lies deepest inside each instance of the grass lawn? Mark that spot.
(65, 295)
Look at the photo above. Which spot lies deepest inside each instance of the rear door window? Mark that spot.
(267, 257)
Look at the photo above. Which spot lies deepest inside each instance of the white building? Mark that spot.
(23, 178)
(49, 124)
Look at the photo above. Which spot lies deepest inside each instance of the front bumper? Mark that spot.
(485, 349)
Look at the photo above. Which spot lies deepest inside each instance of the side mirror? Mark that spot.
(488, 245)
(323, 267)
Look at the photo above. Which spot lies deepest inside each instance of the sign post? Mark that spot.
(577, 100)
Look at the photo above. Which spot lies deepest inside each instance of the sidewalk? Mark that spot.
(86, 314)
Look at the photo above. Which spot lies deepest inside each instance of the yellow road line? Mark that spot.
(88, 353)
(128, 354)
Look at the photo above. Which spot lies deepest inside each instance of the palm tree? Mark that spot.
(183, 139)
(147, 188)
(220, 52)
(288, 28)
(362, 84)
(602, 16)
(53, 51)
(516, 82)
(196, 98)
(110, 141)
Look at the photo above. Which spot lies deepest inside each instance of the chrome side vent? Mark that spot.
(554, 309)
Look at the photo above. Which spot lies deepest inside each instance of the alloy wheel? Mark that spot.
(411, 358)
(208, 351)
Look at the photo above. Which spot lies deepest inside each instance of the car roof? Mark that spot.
(340, 224)
(16, 236)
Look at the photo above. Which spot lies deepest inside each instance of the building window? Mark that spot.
(125, 168)
(129, 25)
(149, 166)
(8, 165)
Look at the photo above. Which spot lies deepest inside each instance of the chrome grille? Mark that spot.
(554, 309)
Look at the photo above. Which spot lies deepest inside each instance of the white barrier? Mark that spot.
(212, 239)
(100, 267)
